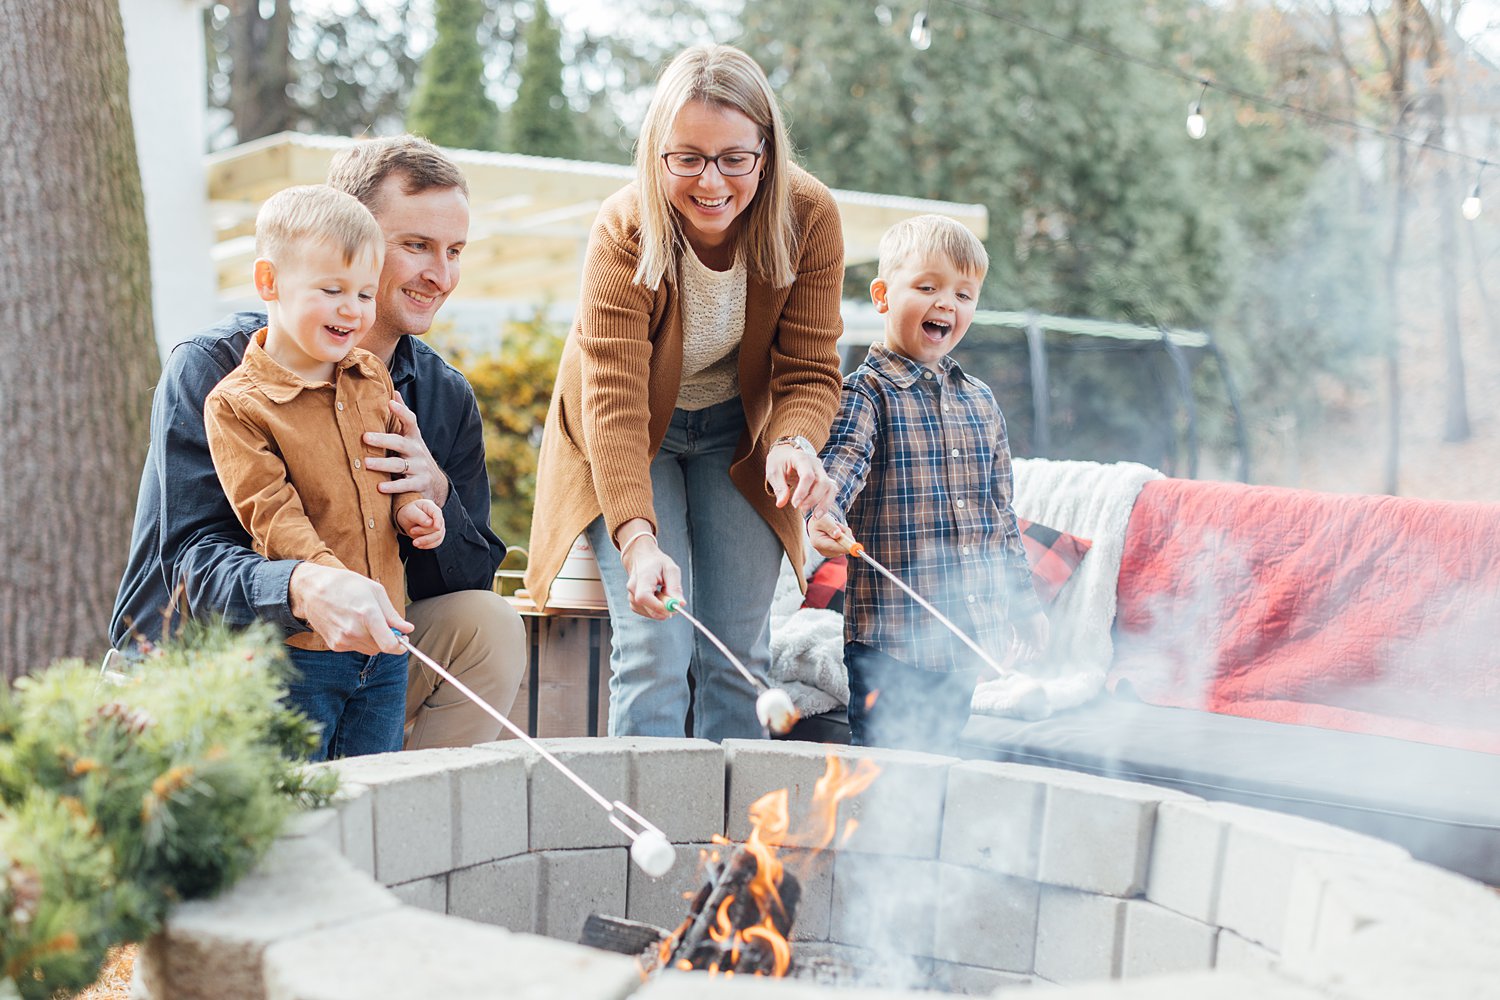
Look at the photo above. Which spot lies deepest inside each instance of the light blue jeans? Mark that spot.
(729, 558)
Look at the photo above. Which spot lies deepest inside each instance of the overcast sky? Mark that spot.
(1479, 20)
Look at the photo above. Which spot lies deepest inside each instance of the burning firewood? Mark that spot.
(740, 920)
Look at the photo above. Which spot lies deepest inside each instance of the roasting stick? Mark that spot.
(857, 550)
(649, 847)
(773, 706)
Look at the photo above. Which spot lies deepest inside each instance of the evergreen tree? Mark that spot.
(541, 122)
(451, 107)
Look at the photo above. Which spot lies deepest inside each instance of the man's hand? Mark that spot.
(422, 522)
(351, 613)
(1032, 634)
(828, 537)
(409, 460)
(653, 575)
(798, 478)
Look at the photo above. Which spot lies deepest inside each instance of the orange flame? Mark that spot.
(781, 949)
(723, 929)
(870, 699)
(837, 784)
(762, 937)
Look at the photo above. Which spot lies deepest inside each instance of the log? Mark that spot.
(624, 937)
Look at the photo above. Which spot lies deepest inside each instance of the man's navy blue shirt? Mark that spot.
(187, 536)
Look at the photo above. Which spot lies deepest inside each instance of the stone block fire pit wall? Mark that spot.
(461, 874)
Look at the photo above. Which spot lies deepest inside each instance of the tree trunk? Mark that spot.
(1456, 400)
(75, 327)
(1393, 260)
(261, 69)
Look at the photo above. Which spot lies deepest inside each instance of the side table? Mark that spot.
(564, 675)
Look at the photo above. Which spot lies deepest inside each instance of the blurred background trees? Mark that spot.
(450, 106)
(1328, 263)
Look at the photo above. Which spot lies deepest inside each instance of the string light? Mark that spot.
(1472, 205)
(1197, 128)
(921, 32)
(986, 8)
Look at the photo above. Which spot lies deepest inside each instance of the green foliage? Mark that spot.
(355, 69)
(514, 388)
(541, 122)
(116, 801)
(451, 107)
(1100, 205)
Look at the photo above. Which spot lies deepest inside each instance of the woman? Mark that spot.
(700, 379)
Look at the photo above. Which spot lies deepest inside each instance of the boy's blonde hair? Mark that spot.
(362, 169)
(932, 235)
(311, 213)
(720, 76)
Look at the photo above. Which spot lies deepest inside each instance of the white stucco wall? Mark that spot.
(164, 46)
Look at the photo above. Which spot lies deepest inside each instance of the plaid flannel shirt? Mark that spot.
(922, 466)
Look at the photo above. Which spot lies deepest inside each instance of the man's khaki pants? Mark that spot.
(477, 637)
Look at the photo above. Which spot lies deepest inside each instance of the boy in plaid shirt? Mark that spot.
(920, 458)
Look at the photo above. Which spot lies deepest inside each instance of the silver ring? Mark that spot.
(405, 467)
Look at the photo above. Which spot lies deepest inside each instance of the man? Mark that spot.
(189, 553)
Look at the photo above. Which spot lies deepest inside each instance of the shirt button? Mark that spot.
(945, 407)
(927, 375)
(356, 463)
(965, 550)
(972, 598)
(341, 404)
(958, 503)
(955, 452)
(371, 522)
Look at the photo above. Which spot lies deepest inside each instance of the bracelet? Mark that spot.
(642, 533)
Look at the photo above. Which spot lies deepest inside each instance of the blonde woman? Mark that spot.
(699, 381)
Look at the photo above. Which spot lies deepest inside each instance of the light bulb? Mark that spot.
(1472, 207)
(1197, 128)
(921, 34)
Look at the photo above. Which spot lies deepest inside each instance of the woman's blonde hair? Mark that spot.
(720, 76)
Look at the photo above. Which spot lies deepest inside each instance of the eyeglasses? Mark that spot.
(734, 163)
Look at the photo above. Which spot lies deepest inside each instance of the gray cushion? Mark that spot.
(1441, 804)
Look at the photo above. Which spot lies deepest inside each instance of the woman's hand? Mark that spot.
(653, 576)
(798, 477)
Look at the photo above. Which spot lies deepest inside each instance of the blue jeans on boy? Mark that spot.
(359, 700)
(729, 559)
(893, 704)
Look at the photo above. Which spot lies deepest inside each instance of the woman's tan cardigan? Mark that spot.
(622, 366)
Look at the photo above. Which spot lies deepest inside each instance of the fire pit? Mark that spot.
(962, 876)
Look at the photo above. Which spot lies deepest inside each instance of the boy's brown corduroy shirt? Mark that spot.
(290, 456)
(621, 369)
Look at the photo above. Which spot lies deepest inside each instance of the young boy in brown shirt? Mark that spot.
(285, 430)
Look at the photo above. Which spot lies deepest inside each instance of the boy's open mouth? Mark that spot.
(339, 331)
(935, 329)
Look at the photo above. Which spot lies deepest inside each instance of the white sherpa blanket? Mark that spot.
(1091, 500)
(807, 648)
(1087, 499)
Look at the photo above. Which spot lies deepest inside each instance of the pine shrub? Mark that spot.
(117, 800)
